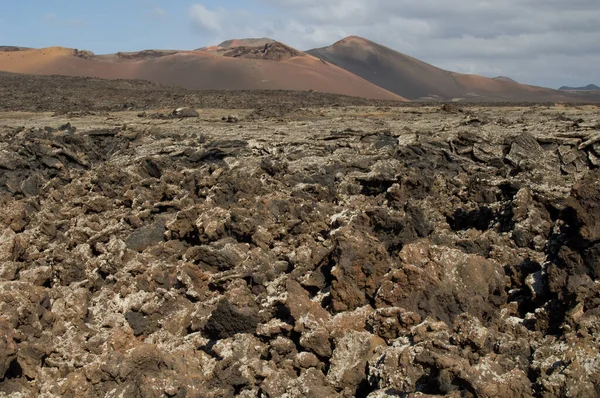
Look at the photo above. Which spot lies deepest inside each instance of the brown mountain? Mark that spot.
(589, 87)
(251, 42)
(505, 79)
(417, 80)
(234, 65)
(254, 49)
(13, 48)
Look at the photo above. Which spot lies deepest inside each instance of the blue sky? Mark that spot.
(101, 26)
(543, 42)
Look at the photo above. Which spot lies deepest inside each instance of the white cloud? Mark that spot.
(156, 12)
(206, 20)
(76, 22)
(52, 18)
(548, 42)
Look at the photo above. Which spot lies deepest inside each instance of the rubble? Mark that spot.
(204, 259)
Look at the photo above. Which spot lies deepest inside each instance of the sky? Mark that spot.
(543, 42)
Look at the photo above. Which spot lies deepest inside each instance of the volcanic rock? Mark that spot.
(332, 251)
(185, 112)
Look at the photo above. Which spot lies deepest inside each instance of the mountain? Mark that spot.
(353, 66)
(505, 79)
(589, 87)
(417, 80)
(254, 49)
(251, 42)
(12, 48)
(246, 64)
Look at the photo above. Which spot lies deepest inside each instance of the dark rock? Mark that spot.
(227, 144)
(226, 321)
(585, 203)
(480, 219)
(8, 348)
(359, 264)
(273, 167)
(185, 112)
(152, 168)
(141, 324)
(524, 150)
(592, 260)
(67, 128)
(221, 256)
(449, 108)
(32, 185)
(230, 119)
(144, 237)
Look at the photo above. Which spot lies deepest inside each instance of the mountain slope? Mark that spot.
(417, 80)
(589, 87)
(268, 66)
(505, 79)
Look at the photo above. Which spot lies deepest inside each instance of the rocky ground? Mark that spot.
(87, 96)
(325, 252)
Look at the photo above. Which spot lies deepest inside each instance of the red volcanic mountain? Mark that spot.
(417, 80)
(234, 65)
(353, 66)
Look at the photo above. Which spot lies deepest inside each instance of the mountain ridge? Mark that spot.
(589, 87)
(353, 66)
(420, 81)
(268, 66)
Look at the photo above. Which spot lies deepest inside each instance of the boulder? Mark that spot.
(185, 112)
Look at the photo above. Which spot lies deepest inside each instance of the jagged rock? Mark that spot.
(231, 119)
(8, 348)
(223, 255)
(227, 321)
(585, 202)
(152, 168)
(443, 282)
(185, 112)
(303, 311)
(307, 360)
(531, 219)
(567, 367)
(183, 227)
(31, 186)
(487, 153)
(524, 150)
(309, 318)
(594, 158)
(349, 359)
(10, 160)
(390, 323)
(490, 379)
(449, 108)
(141, 324)
(318, 254)
(359, 263)
(147, 236)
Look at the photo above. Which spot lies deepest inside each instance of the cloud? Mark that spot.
(152, 9)
(52, 18)
(156, 13)
(206, 20)
(76, 22)
(547, 42)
